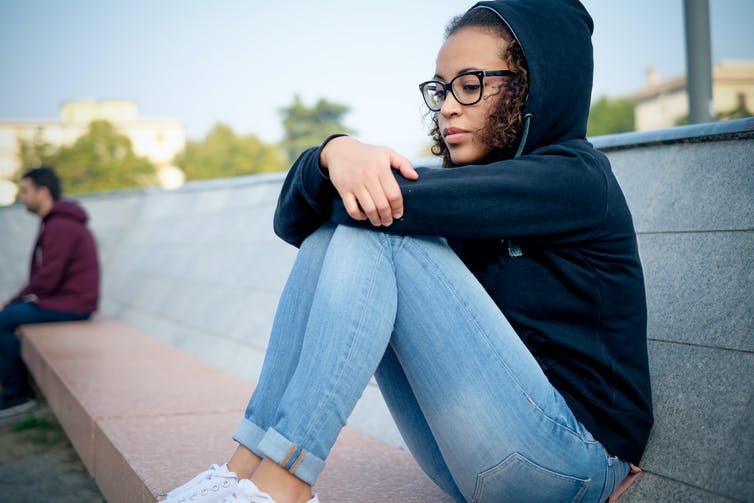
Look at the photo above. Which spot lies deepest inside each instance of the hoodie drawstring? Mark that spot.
(524, 135)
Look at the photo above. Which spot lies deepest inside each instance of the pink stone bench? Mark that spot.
(145, 416)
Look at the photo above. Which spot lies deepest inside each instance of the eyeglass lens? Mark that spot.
(467, 89)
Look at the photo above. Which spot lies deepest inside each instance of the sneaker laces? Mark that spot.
(247, 492)
(198, 485)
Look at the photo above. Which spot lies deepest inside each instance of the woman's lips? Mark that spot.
(453, 135)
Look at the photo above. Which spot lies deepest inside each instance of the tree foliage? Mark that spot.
(739, 112)
(307, 126)
(35, 152)
(609, 116)
(100, 160)
(222, 154)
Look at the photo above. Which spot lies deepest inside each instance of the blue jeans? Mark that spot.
(474, 407)
(13, 373)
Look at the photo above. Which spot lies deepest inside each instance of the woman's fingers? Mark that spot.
(385, 200)
(368, 205)
(403, 165)
(363, 176)
(393, 194)
(352, 207)
(380, 212)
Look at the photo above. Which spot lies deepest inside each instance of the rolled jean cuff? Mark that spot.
(294, 458)
(249, 435)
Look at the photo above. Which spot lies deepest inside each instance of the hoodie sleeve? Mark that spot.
(52, 253)
(556, 194)
(305, 201)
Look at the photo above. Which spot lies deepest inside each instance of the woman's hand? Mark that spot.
(362, 175)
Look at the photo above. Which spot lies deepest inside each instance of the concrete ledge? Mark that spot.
(145, 416)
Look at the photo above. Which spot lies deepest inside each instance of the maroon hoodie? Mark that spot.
(64, 272)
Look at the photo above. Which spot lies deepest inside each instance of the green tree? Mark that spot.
(101, 160)
(222, 154)
(35, 152)
(739, 112)
(307, 126)
(611, 116)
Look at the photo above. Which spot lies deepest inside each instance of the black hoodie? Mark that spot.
(548, 234)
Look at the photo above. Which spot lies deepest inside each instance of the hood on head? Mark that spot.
(68, 209)
(556, 38)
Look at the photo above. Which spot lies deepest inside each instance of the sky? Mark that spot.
(240, 61)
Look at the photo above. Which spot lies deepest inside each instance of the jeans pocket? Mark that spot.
(517, 479)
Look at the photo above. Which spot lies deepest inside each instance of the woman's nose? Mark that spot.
(450, 106)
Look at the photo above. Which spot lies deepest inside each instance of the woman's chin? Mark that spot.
(461, 156)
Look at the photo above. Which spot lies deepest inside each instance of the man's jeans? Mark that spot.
(13, 373)
(473, 405)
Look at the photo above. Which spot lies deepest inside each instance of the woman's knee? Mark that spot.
(382, 237)
(318, 241)
(357, 241)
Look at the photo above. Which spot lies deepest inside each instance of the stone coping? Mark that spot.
(145, 416)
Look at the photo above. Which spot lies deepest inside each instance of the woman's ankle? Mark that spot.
(243, 462)
(280, 484)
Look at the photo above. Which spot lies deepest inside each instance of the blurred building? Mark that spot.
(662, 104)
(159, 140)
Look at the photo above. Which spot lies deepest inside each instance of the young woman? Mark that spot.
(499, 301)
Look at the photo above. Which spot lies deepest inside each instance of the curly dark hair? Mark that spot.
(505, 123)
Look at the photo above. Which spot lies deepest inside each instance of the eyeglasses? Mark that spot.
(467, 88)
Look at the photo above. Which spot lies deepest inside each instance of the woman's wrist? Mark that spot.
(323, 150)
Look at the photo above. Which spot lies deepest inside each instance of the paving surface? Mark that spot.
(38, 464)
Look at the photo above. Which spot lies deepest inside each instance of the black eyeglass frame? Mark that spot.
(480, 74)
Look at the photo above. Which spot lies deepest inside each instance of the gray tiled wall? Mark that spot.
(693, 206)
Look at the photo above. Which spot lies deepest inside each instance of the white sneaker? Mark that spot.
(209, 486)
(247, 492)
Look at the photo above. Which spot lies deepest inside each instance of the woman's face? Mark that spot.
(460, 125)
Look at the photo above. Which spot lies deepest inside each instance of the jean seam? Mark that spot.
(608, 466)
(560, 425)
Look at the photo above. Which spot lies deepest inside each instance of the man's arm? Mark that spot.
(55, 247)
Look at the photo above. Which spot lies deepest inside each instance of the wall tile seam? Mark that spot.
(204, 244)
(228, 288)
(233, 209)
(707, 491)
(230, 182)
(209, 334)
(700, 346)
(96, 419)
(742, 230)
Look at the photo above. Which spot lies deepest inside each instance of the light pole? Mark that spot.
(698, 60)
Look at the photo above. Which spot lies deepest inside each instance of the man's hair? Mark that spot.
(505, 124)
(45, 176)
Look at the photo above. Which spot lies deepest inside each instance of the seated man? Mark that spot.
(63, 282)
